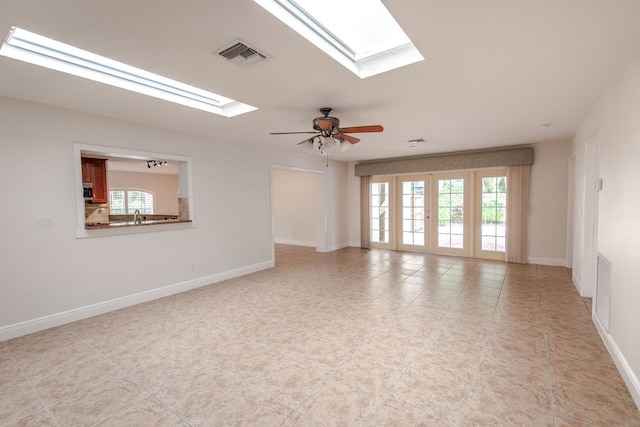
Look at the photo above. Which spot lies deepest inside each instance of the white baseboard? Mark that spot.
(337, 246)
(629, 377)
(295, 243)
(577, 283)
(50, 321)
(330, 248)
(555, 262)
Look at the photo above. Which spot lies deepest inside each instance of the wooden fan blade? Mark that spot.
(349, 138)
(306, 140)
(288, 133)
(324, 124)
(362, 129)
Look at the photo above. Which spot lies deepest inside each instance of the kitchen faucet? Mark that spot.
(136, 217)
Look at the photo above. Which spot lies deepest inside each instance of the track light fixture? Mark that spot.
(155, 163)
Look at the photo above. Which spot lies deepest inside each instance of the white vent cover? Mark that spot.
(240, 53)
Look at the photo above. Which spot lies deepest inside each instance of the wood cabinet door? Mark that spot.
(100, 181)
(95, 172)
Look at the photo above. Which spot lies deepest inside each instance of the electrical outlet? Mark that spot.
(44, 222)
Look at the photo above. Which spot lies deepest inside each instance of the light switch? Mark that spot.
(598, 186)
(44, 222)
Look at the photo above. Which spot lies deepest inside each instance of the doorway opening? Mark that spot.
(297, 207)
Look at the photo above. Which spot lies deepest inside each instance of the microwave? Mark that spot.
(87, 191)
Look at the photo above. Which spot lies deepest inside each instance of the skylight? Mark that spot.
(39, 50)
(360, 34)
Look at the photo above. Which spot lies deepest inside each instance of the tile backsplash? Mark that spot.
(183, 208)
(94, 212)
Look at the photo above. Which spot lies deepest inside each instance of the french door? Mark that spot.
(433, 213)
(453, 213)
(413, 213)
(491, 214)
(451, 225)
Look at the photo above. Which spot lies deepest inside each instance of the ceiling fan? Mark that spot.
(328, 134)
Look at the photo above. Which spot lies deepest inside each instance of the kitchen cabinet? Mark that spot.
(94, 171)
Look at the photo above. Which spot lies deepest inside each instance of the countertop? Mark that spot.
(120, 224)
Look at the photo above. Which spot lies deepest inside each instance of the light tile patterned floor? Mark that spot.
(354, 337)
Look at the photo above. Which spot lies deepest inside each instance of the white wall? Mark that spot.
(47, 276)
(353, 190)
(163, 186)
(337, 211)
(548, 203)
(295, 214)
(614, 125)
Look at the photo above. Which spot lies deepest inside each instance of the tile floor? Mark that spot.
(354, 337)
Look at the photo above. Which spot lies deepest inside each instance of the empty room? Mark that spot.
(299, 213)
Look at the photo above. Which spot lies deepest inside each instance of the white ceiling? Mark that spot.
(495, 70)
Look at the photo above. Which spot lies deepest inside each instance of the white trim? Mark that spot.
(295, 243)
(556, 262)
(590, 218)
(46, 322)
(575, 280)
(629, 377)
(336, 246)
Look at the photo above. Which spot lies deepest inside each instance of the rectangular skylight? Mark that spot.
(360, 34)
(39, 50)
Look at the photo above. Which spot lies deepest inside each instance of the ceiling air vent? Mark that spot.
(240, 53)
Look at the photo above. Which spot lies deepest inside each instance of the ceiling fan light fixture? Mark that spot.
(329, 144)
(329, 136)
(307, 146)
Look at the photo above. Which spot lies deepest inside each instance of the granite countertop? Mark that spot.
(119, 224)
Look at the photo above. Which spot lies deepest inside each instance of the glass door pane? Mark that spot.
(380, 212)
(451, 213)
(491, 193)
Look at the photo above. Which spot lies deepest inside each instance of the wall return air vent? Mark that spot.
(240, 53)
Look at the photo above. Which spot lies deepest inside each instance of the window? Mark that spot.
(380, 212)
(123, 202)
(360, 34)
(39, 50)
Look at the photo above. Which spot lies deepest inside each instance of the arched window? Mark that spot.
(126, 201)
